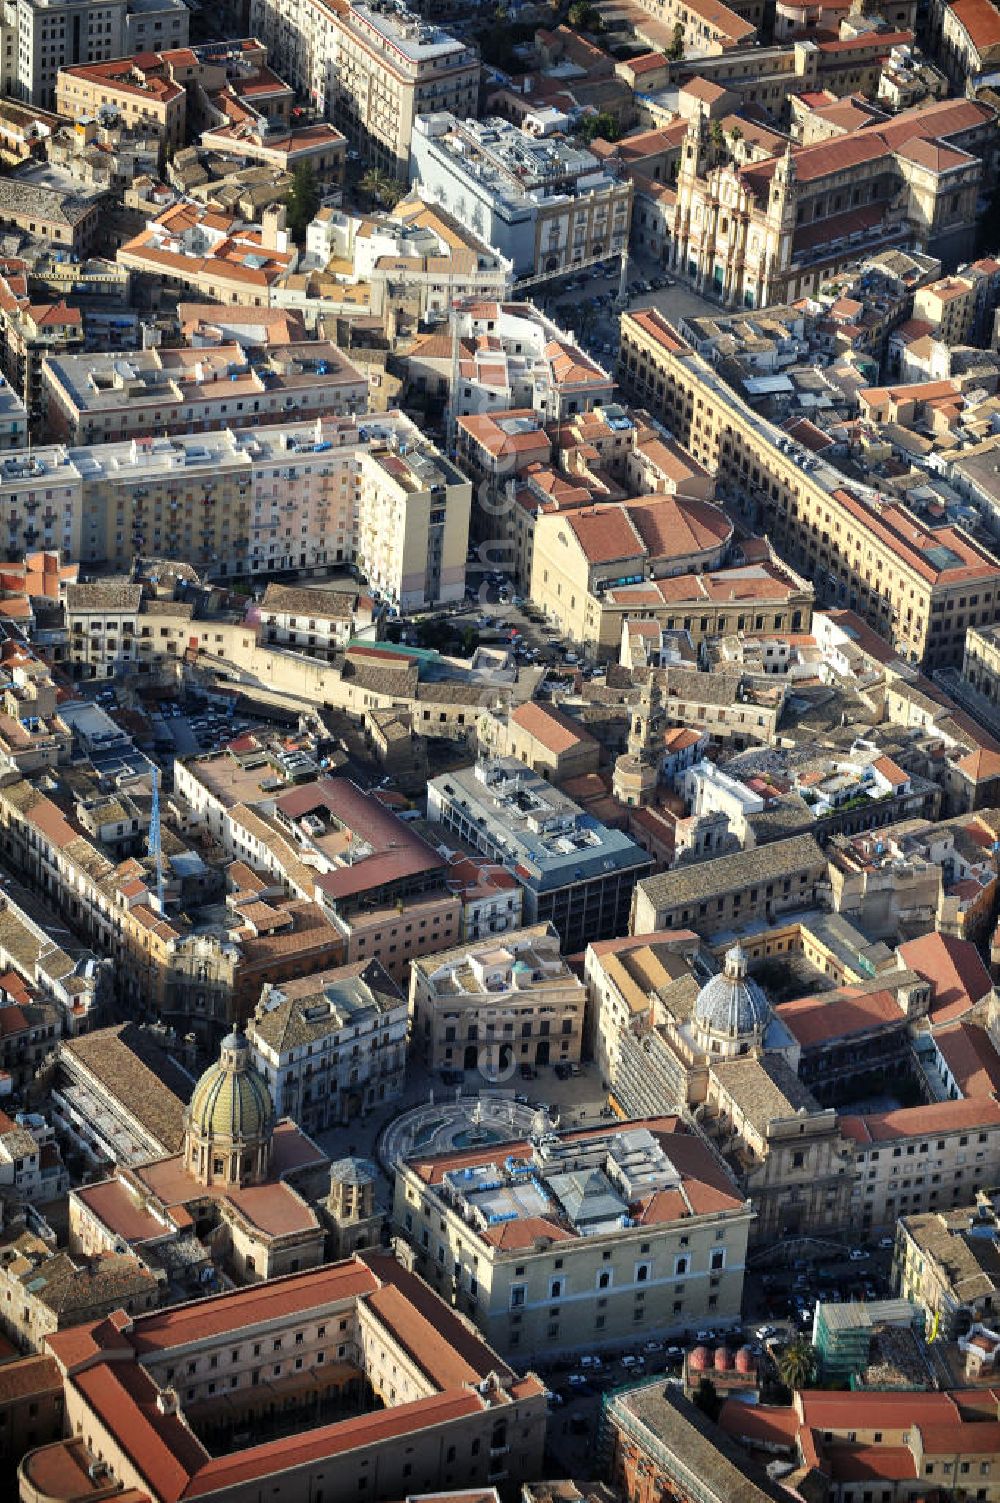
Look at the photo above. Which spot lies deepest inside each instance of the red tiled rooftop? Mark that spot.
(122, 1213)
(816, 1020)
(223, 1314)
(923, 1121)
(970, 1055)
(557, 732)
(854, 1463)
(277, 1456)
(955, 970)
(981, 21)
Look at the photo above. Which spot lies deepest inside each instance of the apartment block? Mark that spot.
(43, 1291)
(54, 33)
(370, 69)
(381, 887)
(29, 334)
(108, 397)
(374, 494)
(581, 556)
(511, 356)
(946, 1261)
(919, 586)
(499, 1003)
(910, 1441)
(102, 626)
(592, 1237)
(138, 94)
(317, 622)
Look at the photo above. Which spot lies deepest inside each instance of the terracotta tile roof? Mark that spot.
(891, 771)
(120, 1211)
(571, 367)
(557, 732)
(767, 1423)
(813, 1021)
(955, 970)
(606, 534)
(970, 1055)
(226, 1314)
(702, 88)
(397, 851)
(654, 324)
(981, 21)
(277, 1456)
(679, 737)
(647, 62)
(887, 1410)
(27, 1377)
(526, 1232)
(877, 41)
(671, 526)
(922, 1121)
(980, 765)
(978, 1438)
(857, 1463)
(162, 1449)
(935, 156)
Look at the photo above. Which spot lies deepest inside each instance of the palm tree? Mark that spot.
(382, 188)
(735, 136)
(717, 136)
(797, 1363)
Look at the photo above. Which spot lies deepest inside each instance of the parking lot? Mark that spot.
(189, 730)
(587, 305)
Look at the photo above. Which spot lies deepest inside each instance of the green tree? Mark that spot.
(602, 124)
(584, 16)
(717, 136)
(675, 52)
(302, 201)
(382, 188)
(797, 1363)
(735, 137)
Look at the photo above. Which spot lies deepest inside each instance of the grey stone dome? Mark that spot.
(731, 1005)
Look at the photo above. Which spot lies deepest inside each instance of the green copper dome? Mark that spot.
(231, 1100)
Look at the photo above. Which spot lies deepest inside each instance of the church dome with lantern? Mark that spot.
(230, 1119)
(731, 1013)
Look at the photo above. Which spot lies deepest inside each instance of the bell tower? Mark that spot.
(782, 213)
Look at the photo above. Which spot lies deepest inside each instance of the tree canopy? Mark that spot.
(302, 201)
(602, 124)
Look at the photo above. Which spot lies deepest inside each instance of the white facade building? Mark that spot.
(546, 205)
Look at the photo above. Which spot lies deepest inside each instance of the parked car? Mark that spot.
(859, 1254)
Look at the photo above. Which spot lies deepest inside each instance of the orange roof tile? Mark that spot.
(557, 732)
(955, 970)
